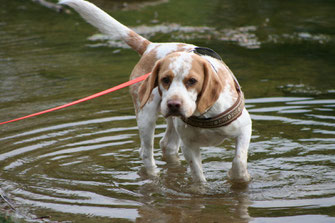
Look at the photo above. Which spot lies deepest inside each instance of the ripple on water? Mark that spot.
(75, 168)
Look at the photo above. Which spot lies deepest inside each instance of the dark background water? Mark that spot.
(81, 164)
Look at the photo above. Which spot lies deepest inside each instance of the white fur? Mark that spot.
(163, 49)
(181, 65)
(98, 18)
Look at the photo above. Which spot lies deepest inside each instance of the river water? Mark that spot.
(81, 164)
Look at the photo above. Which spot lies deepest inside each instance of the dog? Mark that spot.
(191, 87)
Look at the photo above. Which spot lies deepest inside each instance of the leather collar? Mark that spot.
(227, 116)
(223, 119)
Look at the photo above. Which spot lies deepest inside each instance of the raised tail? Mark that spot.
(107, 24)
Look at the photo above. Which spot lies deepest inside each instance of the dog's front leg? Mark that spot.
(170, 142)
(239, 173)
(146, 121)
(193, 157)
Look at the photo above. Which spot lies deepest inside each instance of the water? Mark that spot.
(81, 164)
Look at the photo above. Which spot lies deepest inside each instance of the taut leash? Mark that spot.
(118, 87)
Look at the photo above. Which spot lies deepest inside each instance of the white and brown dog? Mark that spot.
(191, 87)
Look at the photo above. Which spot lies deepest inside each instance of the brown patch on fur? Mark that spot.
(226, 78)
(148, 85)
(197, 73)
(137, 42)
(211, 89)
(168, 75)
(213, 82)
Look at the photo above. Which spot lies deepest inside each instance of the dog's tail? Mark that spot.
(107, 24)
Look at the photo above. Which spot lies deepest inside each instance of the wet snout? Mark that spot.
(174, 107)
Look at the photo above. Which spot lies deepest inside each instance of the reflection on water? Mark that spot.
(82, 164)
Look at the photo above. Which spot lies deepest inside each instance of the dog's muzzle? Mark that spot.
(174, 108)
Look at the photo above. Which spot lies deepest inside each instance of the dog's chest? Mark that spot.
(200, 136)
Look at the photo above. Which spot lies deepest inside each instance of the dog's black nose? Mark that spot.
(174, 105)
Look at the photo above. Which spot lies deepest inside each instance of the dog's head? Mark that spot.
(186, 82)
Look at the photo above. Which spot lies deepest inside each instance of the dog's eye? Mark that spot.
(191, 82)
(165, 80)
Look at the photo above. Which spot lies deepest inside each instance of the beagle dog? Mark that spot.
(191, 87)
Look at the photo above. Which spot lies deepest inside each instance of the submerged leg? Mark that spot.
(239, 173)
(170, 143)
(193, 157)
(146, 121)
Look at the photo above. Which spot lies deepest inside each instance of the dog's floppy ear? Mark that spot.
(148, 85)
(211, 89)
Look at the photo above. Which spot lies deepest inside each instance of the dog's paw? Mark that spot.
(170, 151)
(172, 159)
(149, 172)
(238, 172)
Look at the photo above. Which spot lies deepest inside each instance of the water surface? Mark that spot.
(81, 164)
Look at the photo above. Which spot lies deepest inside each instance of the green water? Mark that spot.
(81, 164)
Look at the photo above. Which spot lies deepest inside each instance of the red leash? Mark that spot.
(126, 84)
